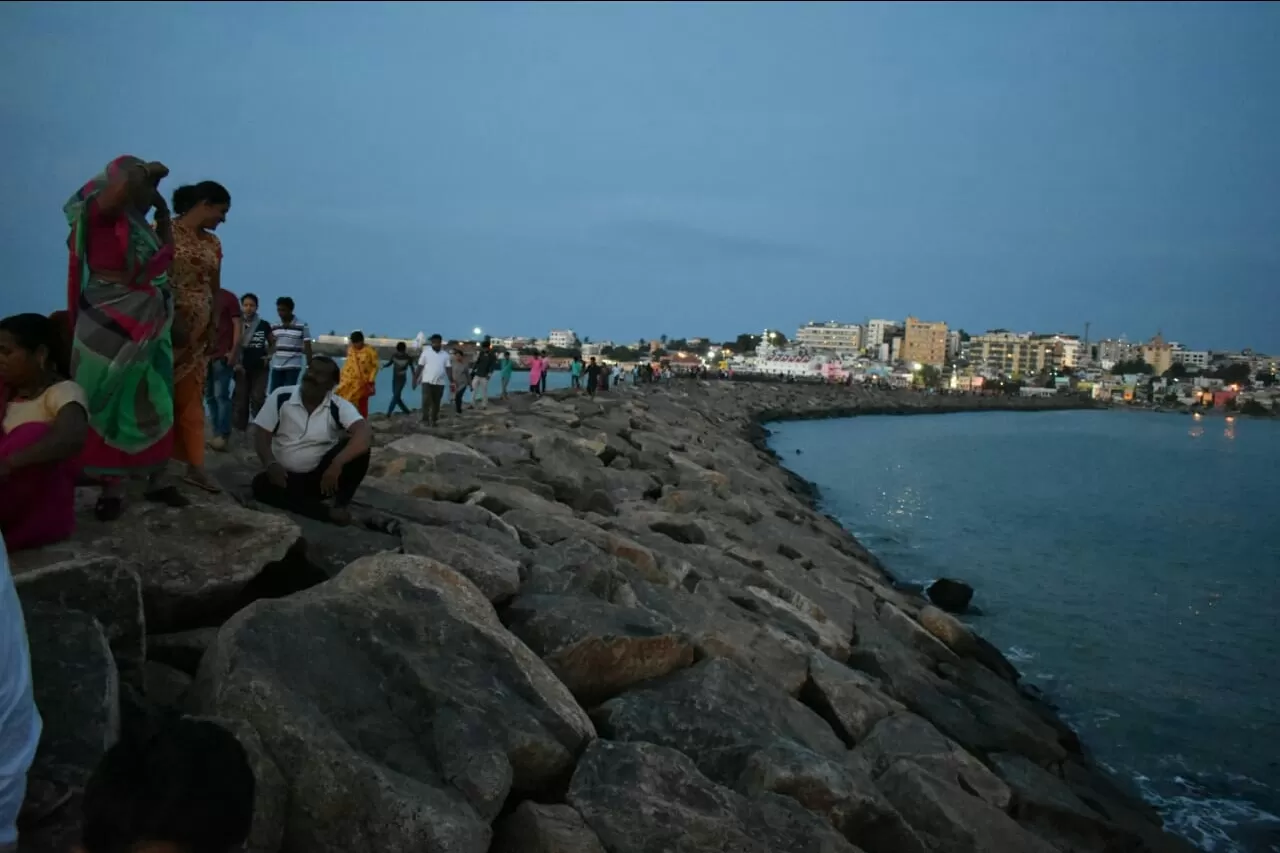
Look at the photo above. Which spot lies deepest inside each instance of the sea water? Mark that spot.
(1128, 563)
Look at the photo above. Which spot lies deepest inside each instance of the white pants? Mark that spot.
(480, 391)
(19, 721)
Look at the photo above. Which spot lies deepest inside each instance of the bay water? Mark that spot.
(1127, 562)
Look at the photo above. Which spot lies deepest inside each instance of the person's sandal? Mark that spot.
(108, 508)
(169, 496)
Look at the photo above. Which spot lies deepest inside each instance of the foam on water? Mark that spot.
(1210, 820)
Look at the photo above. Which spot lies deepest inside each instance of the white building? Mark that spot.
(953, 345)
(841, 337)
(876, 330)
(562, 338)
(1191, 359)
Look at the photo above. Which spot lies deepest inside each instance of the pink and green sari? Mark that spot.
(122, 355)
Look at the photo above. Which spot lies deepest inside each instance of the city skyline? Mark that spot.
(1028, 166)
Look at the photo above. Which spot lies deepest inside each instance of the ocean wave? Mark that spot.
(1214, 821)
(1017, 654)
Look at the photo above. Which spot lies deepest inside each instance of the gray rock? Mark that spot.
(534, 828)
(438, 449)
(641, 798)
(181, 650)
(103, 587)
(502, 498)
(736, 715)
(398, 708)
(952, 820)
(951, 595)
(852, 702)
(77, 691)
(497, 576)
(598, 649)
(165, 686)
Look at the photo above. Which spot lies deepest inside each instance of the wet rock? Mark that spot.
(496, 575)
(951, 595)
(598, 649)
(77, 690)
(193, 563)
(951, 819)
(738, 714)
(534, 828)
(420, 718)
(103, 587)
(642, 798)
(851, 701)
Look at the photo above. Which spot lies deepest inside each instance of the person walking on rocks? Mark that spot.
(593, 376)
(459, 377)
(359, 373)
(313, 444)
(433, 373)
(400, 362)
(290, 346)
(480, 372)
(505, 368)
(575, 373)
(251, 367)
(536, 366)
(222, 366)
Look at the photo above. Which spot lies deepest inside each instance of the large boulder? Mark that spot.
(438, 450)
(596, 648)
(950, 594)
(534, 828)
(851, 701)
(195, 563)
(496, 575)
(641, 798)
(398, 708)
(77, 692)
(107, 589)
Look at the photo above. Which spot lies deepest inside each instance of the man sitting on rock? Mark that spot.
(187, 789)
(313, 445)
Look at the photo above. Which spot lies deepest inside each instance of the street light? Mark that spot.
(477, 331)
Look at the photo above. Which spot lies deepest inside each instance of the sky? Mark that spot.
(689, 169)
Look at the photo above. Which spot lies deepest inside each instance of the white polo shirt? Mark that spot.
(435, 366)
(301, 440)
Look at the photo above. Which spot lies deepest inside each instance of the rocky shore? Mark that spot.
(566, 626)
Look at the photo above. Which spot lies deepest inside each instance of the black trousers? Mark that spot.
(397, 388)
(301, 494)
(431, 397)
(458, 395)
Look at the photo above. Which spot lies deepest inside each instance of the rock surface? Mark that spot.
(638, 560)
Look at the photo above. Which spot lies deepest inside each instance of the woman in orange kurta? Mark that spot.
(359, 372)
(195, 277)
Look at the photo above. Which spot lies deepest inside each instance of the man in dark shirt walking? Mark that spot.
(593, 376)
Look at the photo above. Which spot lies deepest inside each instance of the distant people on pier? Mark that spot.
(311, 465)
(253, 365)
(433, 374)
(359, 374)
(290, 346)
(505, 368)
(400, 364)
(195, 278)
(44, 419)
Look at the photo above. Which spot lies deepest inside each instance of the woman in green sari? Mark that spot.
(122, 313)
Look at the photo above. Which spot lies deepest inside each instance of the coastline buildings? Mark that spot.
(841, 337)
(1191, 359)
(924, 342)
(876, 332)
(1158, 354)
(562, 338)
(1004, 353)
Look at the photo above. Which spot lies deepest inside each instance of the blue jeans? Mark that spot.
(282, 377)
(217, 396)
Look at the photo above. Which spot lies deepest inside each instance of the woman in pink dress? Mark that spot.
(537, 366)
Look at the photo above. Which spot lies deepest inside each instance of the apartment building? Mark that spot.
(1113, 350)
(1158, 354)
(876, 332)
(842, 337)
(924, 342)
(1005, 353)
(562, 338)
(1191, 359)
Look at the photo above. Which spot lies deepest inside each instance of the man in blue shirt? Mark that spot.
(19, 721)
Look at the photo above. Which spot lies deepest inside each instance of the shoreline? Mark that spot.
(635, 587)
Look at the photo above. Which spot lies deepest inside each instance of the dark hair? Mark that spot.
(337, 371)
(33, 331)
(189, 784)
(400, 347)
(436, 337)
(188, 196)
(253, 296)
(285, 302)
(357, 337)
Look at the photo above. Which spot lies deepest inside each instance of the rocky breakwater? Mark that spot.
(567, 625)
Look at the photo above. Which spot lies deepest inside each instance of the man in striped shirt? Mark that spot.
(290, 346)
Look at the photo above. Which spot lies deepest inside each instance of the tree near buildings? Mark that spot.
(1135, 365)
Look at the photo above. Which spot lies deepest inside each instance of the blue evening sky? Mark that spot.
(630, 170)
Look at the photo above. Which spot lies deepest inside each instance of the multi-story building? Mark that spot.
(1112, 351)
(1191, 359)
(953, 345)
(1072, 354)
(924, 343)
(1005, 353)
(1158, 354)
(841, 337)
(875, 334)
(562, 338)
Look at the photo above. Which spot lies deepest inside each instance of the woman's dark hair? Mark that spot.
(33, 331)
(357, 337)
(188, 196)
(189, 784)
